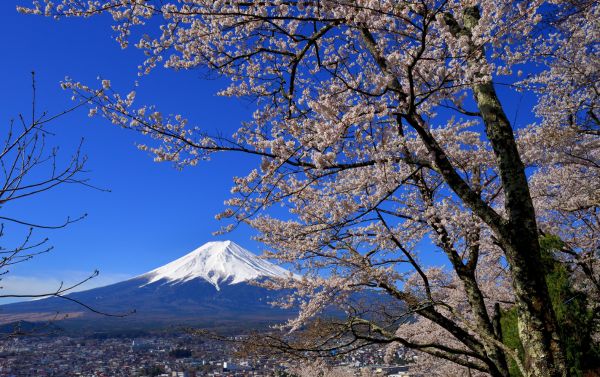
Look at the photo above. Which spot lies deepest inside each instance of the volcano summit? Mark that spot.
(216, 262)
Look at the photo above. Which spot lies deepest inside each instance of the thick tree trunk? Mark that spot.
(544, 356)
(537, 323)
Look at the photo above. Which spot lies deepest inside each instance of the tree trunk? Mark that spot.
(536, 319)
(544, 356)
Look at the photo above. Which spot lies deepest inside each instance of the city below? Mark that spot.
(176, 355)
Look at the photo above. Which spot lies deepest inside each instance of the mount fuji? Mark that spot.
(209, 287)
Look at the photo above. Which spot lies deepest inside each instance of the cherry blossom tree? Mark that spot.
(318, 368)
(380, 129)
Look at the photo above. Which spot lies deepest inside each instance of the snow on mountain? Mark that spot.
(216, 262)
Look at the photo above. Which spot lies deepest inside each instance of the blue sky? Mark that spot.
(153, 213)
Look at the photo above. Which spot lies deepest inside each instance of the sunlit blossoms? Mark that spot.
(381, 132)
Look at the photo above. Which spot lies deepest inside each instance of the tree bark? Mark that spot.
(544, 356)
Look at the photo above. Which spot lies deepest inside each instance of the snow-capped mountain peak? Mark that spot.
(216, 262)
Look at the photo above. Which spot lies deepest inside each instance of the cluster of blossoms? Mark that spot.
(380, 131)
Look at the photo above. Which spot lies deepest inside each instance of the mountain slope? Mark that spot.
(209, 287)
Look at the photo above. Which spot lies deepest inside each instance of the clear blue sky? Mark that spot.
(154, 212)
